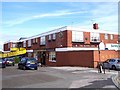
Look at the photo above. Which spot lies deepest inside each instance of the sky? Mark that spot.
(25, 19)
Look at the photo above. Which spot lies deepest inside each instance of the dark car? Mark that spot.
(2, 63)
(9, 61)
(28, 63)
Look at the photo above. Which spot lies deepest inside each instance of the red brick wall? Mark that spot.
(102, 38)
(104, 55)
(87, 37)
(75, 58)
(82, 58)
(69, 38)
(6, 47)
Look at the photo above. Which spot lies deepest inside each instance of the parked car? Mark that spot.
(2, 63)
(113, 63)
(9, 61)
(28, 63)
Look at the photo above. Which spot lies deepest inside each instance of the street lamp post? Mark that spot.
(99, 63)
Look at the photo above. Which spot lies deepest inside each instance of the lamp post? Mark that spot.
(99, 63)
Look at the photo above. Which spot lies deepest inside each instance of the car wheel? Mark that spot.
(113, 67)
(18, 67)
(24, 68)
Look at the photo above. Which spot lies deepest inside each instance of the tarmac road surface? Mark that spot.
(56, 77)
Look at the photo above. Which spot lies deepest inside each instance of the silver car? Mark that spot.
(113, 63)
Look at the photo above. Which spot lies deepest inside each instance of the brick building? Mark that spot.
(68, 46)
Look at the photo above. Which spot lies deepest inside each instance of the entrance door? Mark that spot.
(43, 58)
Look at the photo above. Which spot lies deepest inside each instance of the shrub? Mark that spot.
(16, 59)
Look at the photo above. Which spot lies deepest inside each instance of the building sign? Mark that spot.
(113, 46)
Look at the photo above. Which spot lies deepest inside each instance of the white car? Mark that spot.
(113, 63)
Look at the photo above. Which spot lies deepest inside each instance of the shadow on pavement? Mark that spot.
(108, 84)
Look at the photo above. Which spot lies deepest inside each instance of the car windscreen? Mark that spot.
(31, 60)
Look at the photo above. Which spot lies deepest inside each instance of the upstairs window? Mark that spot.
(94, 36)
(42, 40)
(77, 36)
(111, 37)
(8, 45)
(24, 43)
(49, 37)
(13, 45)
(54, 36)
(29, 43)
(106, 36)
(35, 40)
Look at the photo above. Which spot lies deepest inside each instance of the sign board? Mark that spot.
(113, 46)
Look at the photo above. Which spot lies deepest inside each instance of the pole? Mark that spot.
(99, 64)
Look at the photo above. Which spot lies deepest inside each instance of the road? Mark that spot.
(56, 77)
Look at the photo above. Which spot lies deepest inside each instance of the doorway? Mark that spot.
(43, 58)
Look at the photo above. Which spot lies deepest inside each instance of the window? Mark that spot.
(49, 37)
(23, 60)
(77, 36)
(13, 45)
(29, 43)
(34, 40)
(52, 57)
(8, 45)
(111, 60)
(24, 43)
(42, 40)
(106, 36)
(111, 36)
(54, 36)
(94, 37)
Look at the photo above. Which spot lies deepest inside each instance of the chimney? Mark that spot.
(95, 26)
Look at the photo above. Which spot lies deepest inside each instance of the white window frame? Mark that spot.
(94, 35)
(106, 36)
(13, 45)
(49, 37)
(29, 43)
(24, 43)
(111, 36)
(42, 40)
(77, 36)
(34, 40)
(54, 36)
(52, 56)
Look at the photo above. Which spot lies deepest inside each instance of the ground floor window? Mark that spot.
(52, 56)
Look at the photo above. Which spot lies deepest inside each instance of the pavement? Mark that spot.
(115, 74)
(116, 80)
